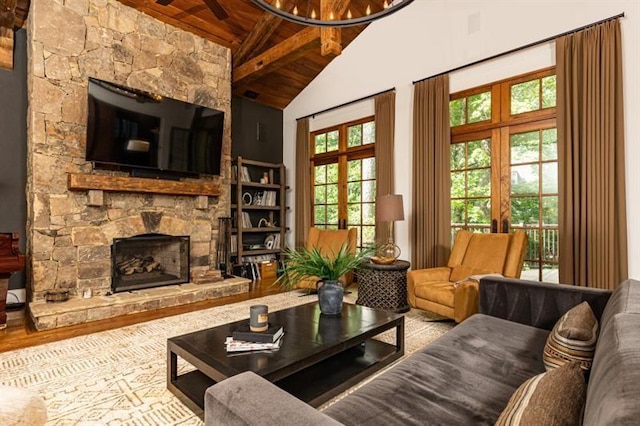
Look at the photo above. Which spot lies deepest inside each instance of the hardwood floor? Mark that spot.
(21, 333)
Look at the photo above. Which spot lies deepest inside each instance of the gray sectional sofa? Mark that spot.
(467, 376)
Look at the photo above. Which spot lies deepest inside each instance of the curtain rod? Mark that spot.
(517, 49)
(346, 104)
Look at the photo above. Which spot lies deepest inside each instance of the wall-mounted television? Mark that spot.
(151, 135)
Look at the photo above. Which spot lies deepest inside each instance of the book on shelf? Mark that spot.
(234, 243)
(233, 345)
(270, 335)
(264, 198)
(246, 220)
(245, 174)
(257, 258)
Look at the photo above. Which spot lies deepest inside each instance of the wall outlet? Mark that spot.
(16, 296)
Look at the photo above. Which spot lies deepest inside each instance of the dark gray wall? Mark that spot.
(266, 146)
(13, 147)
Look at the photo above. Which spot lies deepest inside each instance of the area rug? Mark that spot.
(118, 377)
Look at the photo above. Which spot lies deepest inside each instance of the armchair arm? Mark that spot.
(536, 303)
(465, 300)
(248, 399)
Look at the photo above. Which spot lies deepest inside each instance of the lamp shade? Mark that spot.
(389, 208)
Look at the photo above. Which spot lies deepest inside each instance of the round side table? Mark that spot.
(383, 286)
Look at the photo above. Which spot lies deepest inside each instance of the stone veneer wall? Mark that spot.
(70, 232)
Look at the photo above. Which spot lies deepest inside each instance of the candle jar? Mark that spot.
(258, 318)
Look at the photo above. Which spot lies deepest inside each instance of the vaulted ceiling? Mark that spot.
(273, 59)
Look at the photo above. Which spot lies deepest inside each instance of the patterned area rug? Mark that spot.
(118, 377)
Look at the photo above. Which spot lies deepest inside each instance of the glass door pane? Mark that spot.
(471, 185)
(361, 197)
(534, 199)
(325, 214)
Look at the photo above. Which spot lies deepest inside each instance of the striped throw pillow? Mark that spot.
(573, 338)
(552, 398)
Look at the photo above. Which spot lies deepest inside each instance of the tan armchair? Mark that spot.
(329, 242)
(434, 289)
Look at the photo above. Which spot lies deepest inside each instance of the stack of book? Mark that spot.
(243, 339)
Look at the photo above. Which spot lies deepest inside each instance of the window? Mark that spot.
(504, 165)
(343, 168)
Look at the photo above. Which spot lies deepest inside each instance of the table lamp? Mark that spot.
(388, 209)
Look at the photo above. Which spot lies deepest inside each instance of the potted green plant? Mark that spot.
(303, 263)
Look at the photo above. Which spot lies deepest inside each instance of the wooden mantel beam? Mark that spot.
(259, 35)
(278, 56)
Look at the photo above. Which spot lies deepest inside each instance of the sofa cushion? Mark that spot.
(552, 398)
(424, 386)
(613, 394)
(439, 292)
(573, 338)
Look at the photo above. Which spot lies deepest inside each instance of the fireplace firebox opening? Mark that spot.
(149, 260)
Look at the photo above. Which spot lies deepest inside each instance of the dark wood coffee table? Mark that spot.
(319, 356)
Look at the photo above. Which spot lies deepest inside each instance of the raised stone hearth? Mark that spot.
(79, 310)
(70, 229)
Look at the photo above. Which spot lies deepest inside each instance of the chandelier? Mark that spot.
(317, 12)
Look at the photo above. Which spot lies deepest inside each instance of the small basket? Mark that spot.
(56, 295)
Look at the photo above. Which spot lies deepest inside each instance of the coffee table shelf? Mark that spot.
(319, 357)
(338, 373)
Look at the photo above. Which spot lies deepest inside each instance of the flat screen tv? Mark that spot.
(151, 135)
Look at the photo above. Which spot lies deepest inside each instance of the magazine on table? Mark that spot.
(243, 346)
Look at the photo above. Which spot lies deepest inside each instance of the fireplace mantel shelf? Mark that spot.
(86, 181)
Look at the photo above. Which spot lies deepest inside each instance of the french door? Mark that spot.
(343, 178)
(504, 166)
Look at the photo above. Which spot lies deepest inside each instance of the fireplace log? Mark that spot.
(153, 266)
(127, 262)
(138, 265)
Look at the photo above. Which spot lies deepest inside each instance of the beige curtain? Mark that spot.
(592, 208)
(302, 212)
(430, 221)
(385, 115)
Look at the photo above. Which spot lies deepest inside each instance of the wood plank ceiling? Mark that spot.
(273, 59)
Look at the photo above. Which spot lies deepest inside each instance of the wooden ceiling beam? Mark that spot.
(7, 19)
(278, 56)
(22, 10)
(259, 35)
(331, 38)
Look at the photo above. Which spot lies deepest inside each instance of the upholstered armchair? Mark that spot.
(329, 242)
(448, 290)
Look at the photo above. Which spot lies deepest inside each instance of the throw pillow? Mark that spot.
(553, 398)
(573, 338)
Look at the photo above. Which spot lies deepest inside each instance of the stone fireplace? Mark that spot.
(70, 230)
(145, 261)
